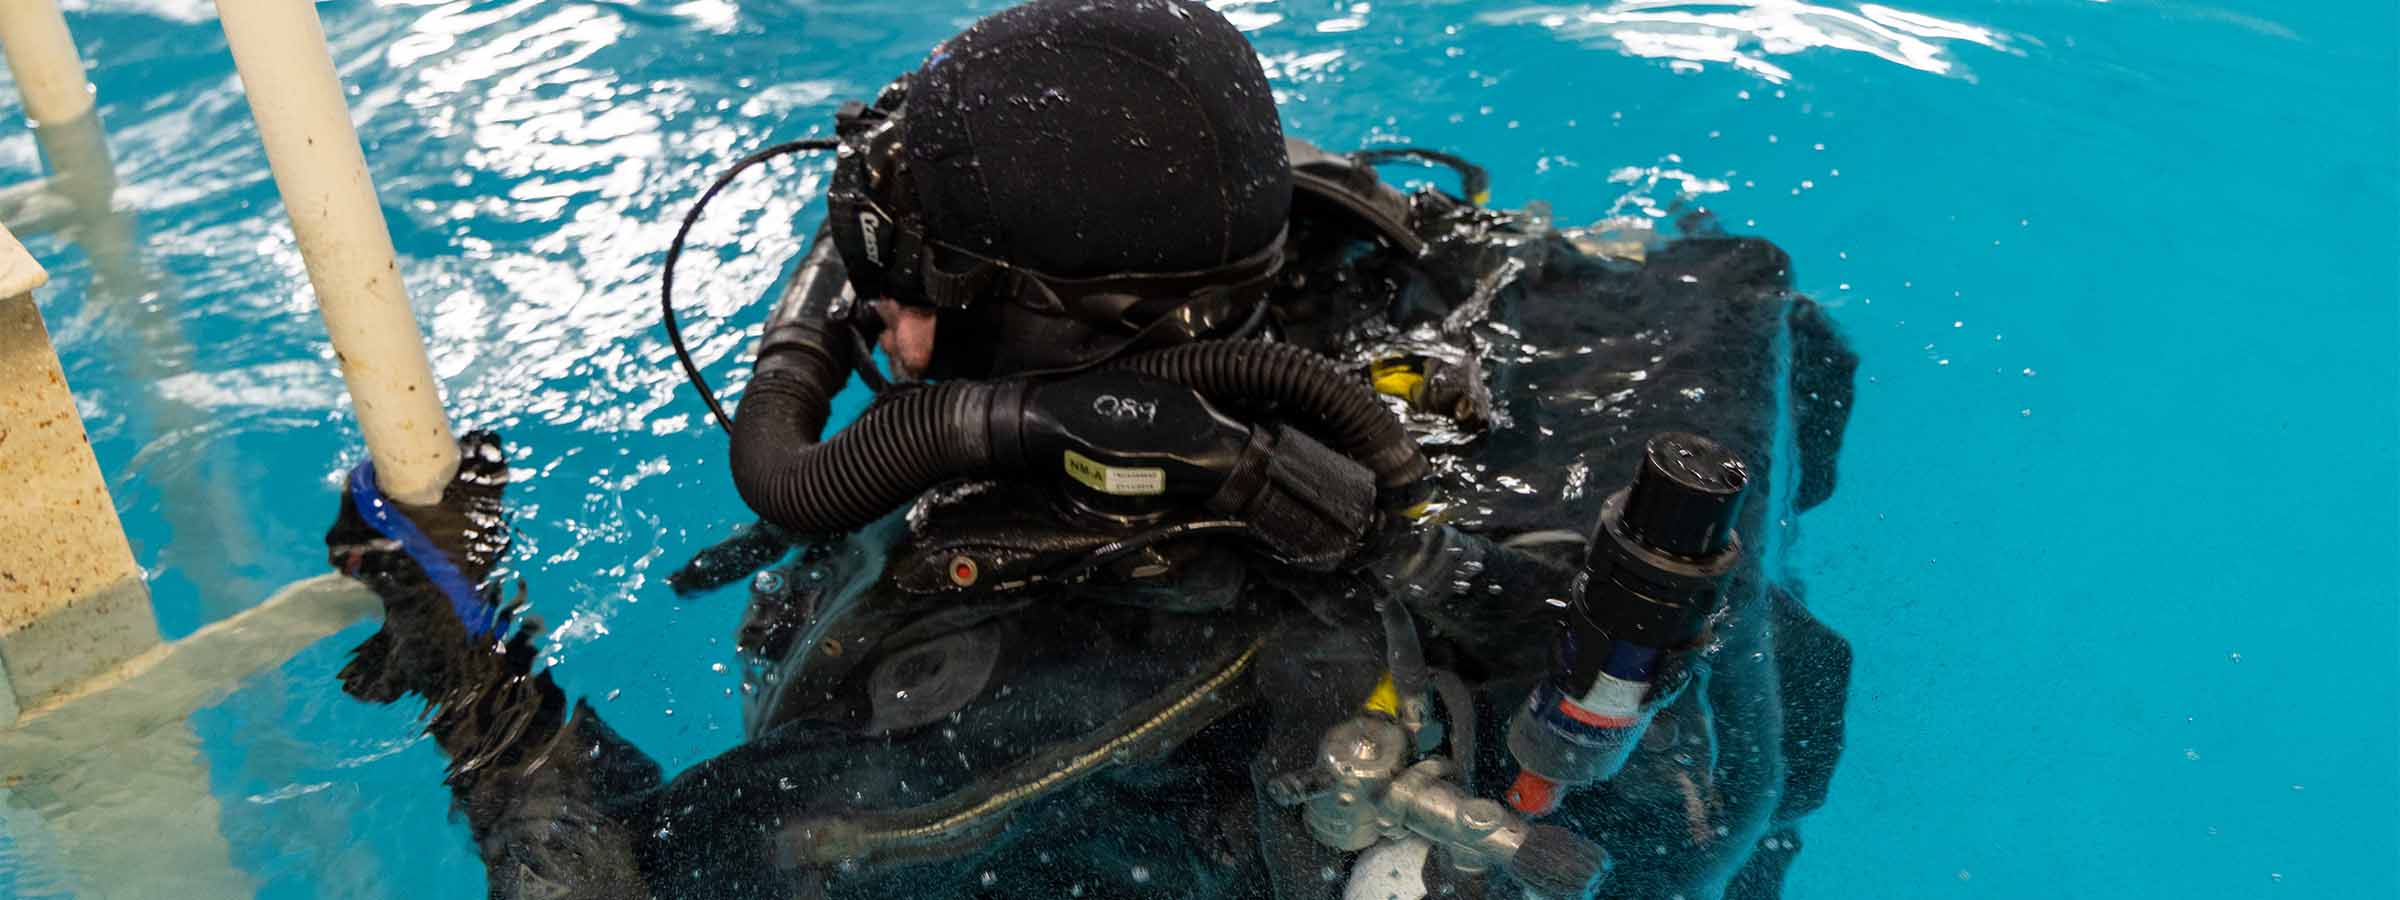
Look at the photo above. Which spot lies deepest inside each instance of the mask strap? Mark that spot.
(954, 290)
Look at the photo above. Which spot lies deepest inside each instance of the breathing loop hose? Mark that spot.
(911, 440)
(1309, 390)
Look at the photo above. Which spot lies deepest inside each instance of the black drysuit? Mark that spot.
(1109, 738)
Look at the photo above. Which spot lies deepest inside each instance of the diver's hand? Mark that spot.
(428, 564)
(467, 525)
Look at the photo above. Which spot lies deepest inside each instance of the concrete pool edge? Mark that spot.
(72, 599)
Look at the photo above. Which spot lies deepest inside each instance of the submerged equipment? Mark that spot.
(1655, 573)
(1364, 790)
(969, 816)
(1653, 576)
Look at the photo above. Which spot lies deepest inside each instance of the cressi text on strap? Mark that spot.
(386, 518)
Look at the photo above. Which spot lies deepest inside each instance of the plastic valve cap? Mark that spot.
(1533, 795)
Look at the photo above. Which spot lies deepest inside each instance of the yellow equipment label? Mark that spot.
(1123, 481)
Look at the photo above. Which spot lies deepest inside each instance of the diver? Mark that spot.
(1224, 527)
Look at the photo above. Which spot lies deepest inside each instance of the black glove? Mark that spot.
(428, 564)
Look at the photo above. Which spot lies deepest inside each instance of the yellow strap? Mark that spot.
(1396, 378)
(1385, 699)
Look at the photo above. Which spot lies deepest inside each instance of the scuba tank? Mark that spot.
(1654, 575)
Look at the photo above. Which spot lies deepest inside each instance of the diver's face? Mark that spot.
(907, 337)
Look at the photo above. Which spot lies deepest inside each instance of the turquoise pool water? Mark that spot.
(2115, 541)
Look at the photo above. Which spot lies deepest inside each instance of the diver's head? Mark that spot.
(1064, 181)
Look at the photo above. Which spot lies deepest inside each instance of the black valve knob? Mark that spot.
(1558, 864)
(1684, 500)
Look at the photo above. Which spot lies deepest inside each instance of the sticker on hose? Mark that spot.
(1122, 481)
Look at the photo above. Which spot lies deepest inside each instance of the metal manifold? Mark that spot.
(1363, 789)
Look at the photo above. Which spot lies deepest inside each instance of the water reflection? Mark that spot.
(1746, 33)
(584, 156)
(179, 10)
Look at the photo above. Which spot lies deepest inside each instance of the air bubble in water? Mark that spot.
(1141, 874)
(990, 878)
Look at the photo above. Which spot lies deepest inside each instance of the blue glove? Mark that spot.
(429, 565)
